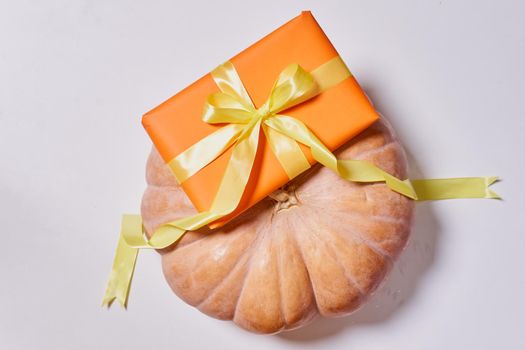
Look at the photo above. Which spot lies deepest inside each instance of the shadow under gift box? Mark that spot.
(334, 116)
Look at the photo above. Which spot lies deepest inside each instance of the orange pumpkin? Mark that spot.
(320, 245)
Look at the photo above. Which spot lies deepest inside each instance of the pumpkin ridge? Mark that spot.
(376, 218)
(259, 238)
(280, 283)
(236, 266)
(233, 294)
(387, 260)
(308, 306)
(330, 248)
(372, 245)
(367, 154)
(286, 242)
(310, 283)
(320, 289)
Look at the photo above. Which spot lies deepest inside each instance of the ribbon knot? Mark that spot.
(263, 112)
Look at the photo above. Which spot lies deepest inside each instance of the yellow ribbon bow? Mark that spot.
(232, 105)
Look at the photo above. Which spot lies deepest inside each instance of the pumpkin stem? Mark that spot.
(285, 197)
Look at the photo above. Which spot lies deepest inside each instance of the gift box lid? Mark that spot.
(335, 116)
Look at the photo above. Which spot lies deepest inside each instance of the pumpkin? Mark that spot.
(318, 246)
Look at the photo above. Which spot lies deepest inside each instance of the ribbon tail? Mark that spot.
(467, 187)
(123, 264)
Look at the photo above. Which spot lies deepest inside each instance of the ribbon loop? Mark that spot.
(294, 86)
(229, 82)
(224, 108)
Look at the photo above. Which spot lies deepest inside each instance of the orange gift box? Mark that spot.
(335, 116)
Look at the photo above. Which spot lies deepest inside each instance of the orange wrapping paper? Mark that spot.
(335, 116)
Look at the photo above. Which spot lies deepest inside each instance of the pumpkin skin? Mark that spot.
(320, 245)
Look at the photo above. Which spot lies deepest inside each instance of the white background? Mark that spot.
(76, 76)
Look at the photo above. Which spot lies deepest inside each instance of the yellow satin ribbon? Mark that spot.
(233, 106)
